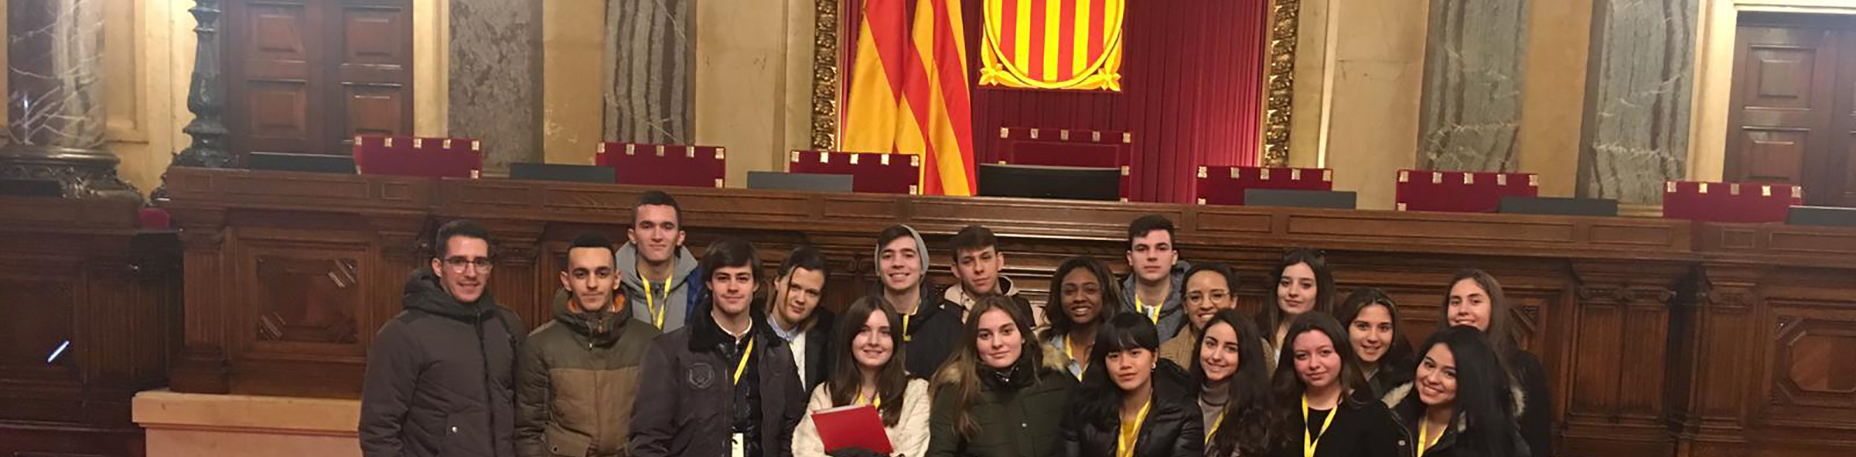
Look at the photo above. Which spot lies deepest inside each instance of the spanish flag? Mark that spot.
(909, 91)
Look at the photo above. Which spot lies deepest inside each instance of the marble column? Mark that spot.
(650, 71)
(55, 101)
(496, 78)
(1638, 87)
(1475, 56)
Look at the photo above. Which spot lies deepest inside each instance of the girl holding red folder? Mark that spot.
(868, 370)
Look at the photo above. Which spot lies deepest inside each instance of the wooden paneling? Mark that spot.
(76, 275)
(1794, 105)
(306, 76)
(1660, 337)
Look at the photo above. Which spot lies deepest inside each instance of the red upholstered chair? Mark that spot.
(664, 165)
(423, 157)
(870, 172)
(1729, 202)
(1462, 191)
(1225, 185)
(1068, 148)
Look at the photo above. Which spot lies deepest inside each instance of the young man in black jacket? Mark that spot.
(797, 318)
(723, 385)
(977, 264)
(929, 329)
(439, 375)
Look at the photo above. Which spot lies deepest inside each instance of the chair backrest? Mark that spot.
(1225, 185)
(1068, 148)
(1462, 191)
(663, 164)
(416, 156)
(871, 172)
(1729, 202)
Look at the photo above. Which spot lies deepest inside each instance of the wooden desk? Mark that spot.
(78, 272)
(1659, 335)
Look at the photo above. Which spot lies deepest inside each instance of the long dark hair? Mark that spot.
(1248, 429)
(1398, 356)
(1288, 384)
(1060, 324)
(846, 380)
(1484, 403)
(1099, 399)
(1271, 316)
(961, 372)
(1501, 338)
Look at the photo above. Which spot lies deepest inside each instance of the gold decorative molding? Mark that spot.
(1279, 78)
(826, 76)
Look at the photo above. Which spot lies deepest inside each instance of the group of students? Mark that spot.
(651, 352)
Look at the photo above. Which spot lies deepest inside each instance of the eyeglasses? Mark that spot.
(458, 264)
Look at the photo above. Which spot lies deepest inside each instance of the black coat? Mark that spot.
(1015, 420)
(1363, 429)
(932, 334)
(819, 356)
(1537, 412)
(686, 403)
(1173, 427)
(1407, 412)
(440, 377)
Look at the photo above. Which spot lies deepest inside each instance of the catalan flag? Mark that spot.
(909, 91)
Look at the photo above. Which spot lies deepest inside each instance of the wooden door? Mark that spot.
(1794, 105)
(306, 76)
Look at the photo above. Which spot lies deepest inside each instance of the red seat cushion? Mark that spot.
(870, 172)
(664, 165)
(422, 157)
(1225, 185)
(1068, 148)
(1729, 202)
(1461, 191)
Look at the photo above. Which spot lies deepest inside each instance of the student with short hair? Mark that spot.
(577, 373)
(1210, 288)
(978, 265)
(868, 370)
(1156, 278)
(996, 397)
(1083, 296)
(724, 384)
(929, 328)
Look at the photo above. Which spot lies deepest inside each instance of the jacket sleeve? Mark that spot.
(1191, 439)
(795, 411)
(912, 433)
(534, 390)
(1537, 421)
(654, 411)
(944, 438)
(806, 442)
(1070, 439)
(393, 366)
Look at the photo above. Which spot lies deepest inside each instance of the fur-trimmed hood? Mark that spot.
(1403, 402)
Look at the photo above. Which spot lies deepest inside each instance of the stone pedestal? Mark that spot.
(55, 107)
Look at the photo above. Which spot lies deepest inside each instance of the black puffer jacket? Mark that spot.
(1173, 427)
(687, 403)
(1407, 411)
(440, 377)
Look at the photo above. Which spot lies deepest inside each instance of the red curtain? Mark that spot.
(1192, 80)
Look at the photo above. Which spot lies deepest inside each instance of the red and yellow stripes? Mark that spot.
(912, 96)
(1053, 44)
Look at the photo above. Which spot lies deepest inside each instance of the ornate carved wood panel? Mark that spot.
(1794, 105)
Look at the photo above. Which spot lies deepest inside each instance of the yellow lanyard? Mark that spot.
(876, 401)
(1309, 442)
(1214, 429)
(1424, 437)
(743, 366)
(1124, 444)
(1151, 315)
(650, 300)
(906, 337)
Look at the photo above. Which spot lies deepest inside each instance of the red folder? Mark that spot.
(855, 426)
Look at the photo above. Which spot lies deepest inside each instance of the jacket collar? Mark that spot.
(706, 335)
(601, 328)
(423, 292)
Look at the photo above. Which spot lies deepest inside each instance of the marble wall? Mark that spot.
(1475, 60)
(55, 73)
(496, 78)
(649, 70)
(1639, 97)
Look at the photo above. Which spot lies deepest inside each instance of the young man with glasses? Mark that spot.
(439, 375)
